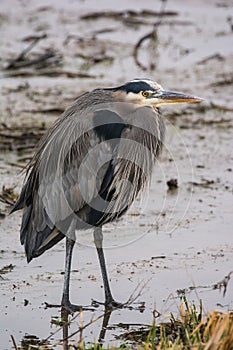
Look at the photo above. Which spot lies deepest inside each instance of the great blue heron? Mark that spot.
(90, 166)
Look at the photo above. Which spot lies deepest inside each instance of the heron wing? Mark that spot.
(71, 167)
(139, 146)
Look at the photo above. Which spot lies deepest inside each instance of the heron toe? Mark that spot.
(71, 308)
(109, 304)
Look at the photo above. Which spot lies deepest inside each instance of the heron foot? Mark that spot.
(70, 308)
(48, 305)
(110, 304)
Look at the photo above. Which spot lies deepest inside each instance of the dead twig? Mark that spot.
(52, 110)
(34, 37)
(223, 283)
(90, 36)
(126, 14)
(205, 183)
(136, 293)
(8, 195)
(23, 54)
(96, 58)
(153, 36)
(150, 36)
(49, 73)
(216, 56)
(6, 269)
(14, 342)
(47, 58)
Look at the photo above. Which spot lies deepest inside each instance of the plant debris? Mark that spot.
(206, 183)
(6, 269)
(172, 184)
(223, 283)
(190, 330)
(47, 58)
(126, 14)
(216, 56)
(152, 35)
(30, 341)
(8, 195)
(20, 137)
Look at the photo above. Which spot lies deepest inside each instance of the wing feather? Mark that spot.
(66, 173)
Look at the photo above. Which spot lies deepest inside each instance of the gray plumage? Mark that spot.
(90, 166)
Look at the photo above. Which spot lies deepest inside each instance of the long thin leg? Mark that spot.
(98, 238)
(66, 289)
(65, 303)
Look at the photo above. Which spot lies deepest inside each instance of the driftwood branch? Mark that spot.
(153, 36)
(126, 14)
(150, 36)
(21, 57)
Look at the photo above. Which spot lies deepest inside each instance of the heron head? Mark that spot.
(149, 93)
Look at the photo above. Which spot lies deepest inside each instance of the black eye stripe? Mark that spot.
(136, 87)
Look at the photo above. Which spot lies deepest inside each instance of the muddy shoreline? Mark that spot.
(171, 242)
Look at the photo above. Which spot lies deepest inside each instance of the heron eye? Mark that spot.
(145, 93)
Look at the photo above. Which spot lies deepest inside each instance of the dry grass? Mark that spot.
(190, 331)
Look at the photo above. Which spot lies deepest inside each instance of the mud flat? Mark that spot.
(175, 241)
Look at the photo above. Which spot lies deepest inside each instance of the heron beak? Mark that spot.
(166, 97)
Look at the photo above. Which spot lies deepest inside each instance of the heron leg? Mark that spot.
(98, 238)
(65, 303)
(66, 290)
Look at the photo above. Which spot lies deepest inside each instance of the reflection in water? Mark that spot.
(107, 314)
(66, 322)
(30, 341)
(68, 336)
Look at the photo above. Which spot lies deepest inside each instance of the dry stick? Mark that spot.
(139, 293)
(88, 36)
(211, 57)
(41, 58)
(137, 46)
(14, 342)
(124, 14)
(6, 200)
(15, 137)
(22, 55)
(223, 283)
(151, 35)
(50, 73)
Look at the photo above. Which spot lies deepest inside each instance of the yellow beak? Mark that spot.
(165, 97)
